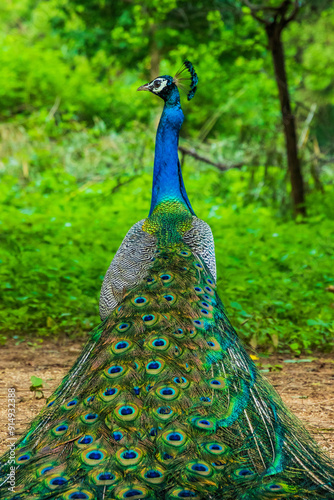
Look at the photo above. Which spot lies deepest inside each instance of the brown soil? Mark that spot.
(306, 387)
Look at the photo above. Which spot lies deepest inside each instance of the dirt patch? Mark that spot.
(306, 387)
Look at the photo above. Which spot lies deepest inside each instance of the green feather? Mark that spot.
(166, 400)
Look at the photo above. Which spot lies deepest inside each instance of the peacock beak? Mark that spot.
(144, 87)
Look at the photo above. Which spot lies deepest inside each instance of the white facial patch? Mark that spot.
(157, 85)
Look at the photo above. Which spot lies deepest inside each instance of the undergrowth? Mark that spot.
(59, 234)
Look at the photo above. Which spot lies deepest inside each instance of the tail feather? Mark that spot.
(164, 403)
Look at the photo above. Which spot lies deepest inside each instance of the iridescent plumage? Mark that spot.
(164, 402)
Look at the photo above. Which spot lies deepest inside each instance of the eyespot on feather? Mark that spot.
(178, 493)
(163, 413)
(199, 468)
(84, 441)
(104, 477)
(215, 448)
(78, 494)
(129, 458)
(89, 418)
(55, 481)
(155, 367)
(167, 392)
(109, 393)
(133, 491)
(45, 469)
(175, 438)
(126, 412)
(60, 429)
(159, 343)
(140, 301)
(115, 371)
(93, 456)
(217, 383)
(153, 476)
(121, 346)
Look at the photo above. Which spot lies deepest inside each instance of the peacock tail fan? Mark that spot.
(186, 79)
(164, 403)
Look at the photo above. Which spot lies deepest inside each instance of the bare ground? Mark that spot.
(307, 387)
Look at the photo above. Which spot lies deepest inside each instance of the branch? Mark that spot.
(304, 134)
(98, 179)
(220, 166)
(320, 159)
(281, 11)
(54, 109)
(326, 160)
(293, 14)
(121, 184)
(277, 11)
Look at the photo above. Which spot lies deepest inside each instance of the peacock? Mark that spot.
(164, 402)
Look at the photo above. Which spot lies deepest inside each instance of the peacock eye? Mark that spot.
(156, 84)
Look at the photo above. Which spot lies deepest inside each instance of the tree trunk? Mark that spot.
(297, 186)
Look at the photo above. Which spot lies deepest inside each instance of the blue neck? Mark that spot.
(167, 177)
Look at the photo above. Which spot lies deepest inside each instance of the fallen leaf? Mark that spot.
(308, 360)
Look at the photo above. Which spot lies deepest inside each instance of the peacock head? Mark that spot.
(166, 86)
(162, 86)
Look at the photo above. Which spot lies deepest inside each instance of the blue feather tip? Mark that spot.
(187, 83)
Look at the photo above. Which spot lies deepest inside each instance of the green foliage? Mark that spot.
(37, 385)
(58, 237)
(76, 149)
(69, 61)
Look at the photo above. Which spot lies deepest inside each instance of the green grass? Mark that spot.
(59, 234)
(76, 155)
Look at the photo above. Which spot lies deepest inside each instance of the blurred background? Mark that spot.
(77, 146)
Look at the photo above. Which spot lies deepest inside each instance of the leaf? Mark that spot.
(308, 360)
(36, 382)
(253, 357)
(236, 305)
(295, 347)
(270, 368)
(274, 339)
(253, 341)
(49, 322)
(39, 394)
(312, 322)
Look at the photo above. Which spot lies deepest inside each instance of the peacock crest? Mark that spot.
(186, 79)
